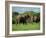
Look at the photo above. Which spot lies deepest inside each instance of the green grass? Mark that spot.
(24, 27)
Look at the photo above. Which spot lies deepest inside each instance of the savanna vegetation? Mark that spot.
(34, 25)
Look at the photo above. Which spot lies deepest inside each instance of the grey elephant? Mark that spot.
(36, 19)
(22, 19)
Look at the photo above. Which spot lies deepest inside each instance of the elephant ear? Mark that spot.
(17, 17)
(28, 16)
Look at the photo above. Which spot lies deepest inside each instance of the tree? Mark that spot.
(15, 13)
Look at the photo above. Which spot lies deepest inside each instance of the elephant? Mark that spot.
(22, 19)
(36, 19)
(30, 19)
(27, 19)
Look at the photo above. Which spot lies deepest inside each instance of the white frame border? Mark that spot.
(24, 32)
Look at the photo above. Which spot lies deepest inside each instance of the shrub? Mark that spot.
(13, 20)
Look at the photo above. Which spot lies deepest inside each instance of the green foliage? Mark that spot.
(36, 14)
(24, 27)
(14, 20)
(32, 13)
(29, 12)
(15, 14)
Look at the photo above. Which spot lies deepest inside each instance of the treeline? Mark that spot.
(28, 12)
(32, 13)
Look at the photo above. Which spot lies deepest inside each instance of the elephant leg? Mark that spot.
(17, 22)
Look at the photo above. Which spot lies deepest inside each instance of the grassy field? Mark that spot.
(24, 27)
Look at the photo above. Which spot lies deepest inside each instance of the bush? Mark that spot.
(13, 20)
